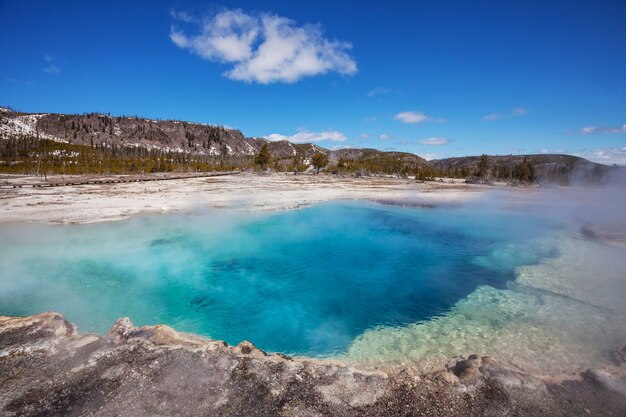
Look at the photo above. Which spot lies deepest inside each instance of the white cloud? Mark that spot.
(606, 156)
(227, 37)
(384, 137)
(51, 65)
(588, 130)
(493, 116)
(430, 156)
(378, 91)
(415, 117)
(435, 141)
(266, 48)
(309, 137)
(52, 69)
(182, 16)
(553, 151)
(516, 112)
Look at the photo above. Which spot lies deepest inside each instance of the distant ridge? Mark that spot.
(208, 145)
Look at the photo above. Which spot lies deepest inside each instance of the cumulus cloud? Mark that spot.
(430, 156)
(415, 117)
(384, 137)
(435, 141)
(589, 130)
(608, 156)
(265, 48)
(51, 65)
(516, 112)
(309, 137)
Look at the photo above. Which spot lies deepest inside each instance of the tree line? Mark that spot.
(29, 154)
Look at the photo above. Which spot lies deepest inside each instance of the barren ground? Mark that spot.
(101, 202)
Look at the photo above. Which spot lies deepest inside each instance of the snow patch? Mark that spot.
(151, 147)
(250, 149)
(25, 125)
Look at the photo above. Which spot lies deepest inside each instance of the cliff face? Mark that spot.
(48, 369)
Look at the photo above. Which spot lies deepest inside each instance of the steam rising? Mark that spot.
(559, 253)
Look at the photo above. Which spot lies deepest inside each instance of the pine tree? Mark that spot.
(483, 165)
(319, 160)
(264, 157)
(525, 171)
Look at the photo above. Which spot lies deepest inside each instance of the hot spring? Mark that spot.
(361, 281)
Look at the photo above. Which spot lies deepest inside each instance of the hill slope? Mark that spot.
(535, 167)
(100, 143)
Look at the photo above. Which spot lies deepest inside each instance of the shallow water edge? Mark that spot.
(49, 368)
(318, 277)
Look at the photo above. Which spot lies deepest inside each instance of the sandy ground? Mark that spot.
(102, 202)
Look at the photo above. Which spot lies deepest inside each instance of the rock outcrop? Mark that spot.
(48, 369)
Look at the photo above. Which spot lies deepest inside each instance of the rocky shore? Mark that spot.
(48, 369)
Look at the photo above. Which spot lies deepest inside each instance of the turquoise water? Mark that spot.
(301, 282)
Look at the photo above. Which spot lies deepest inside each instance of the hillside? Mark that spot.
(48, 143)
(535, 167)
(373, 160)
(100, 143)
(95, 129)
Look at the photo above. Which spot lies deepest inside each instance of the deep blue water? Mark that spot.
(301, 282)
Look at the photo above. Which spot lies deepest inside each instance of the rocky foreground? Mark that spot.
(48, 369)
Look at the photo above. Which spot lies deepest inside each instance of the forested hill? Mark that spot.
(535, 167)
(100, 143)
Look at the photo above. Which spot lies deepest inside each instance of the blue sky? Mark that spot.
(433, 78)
